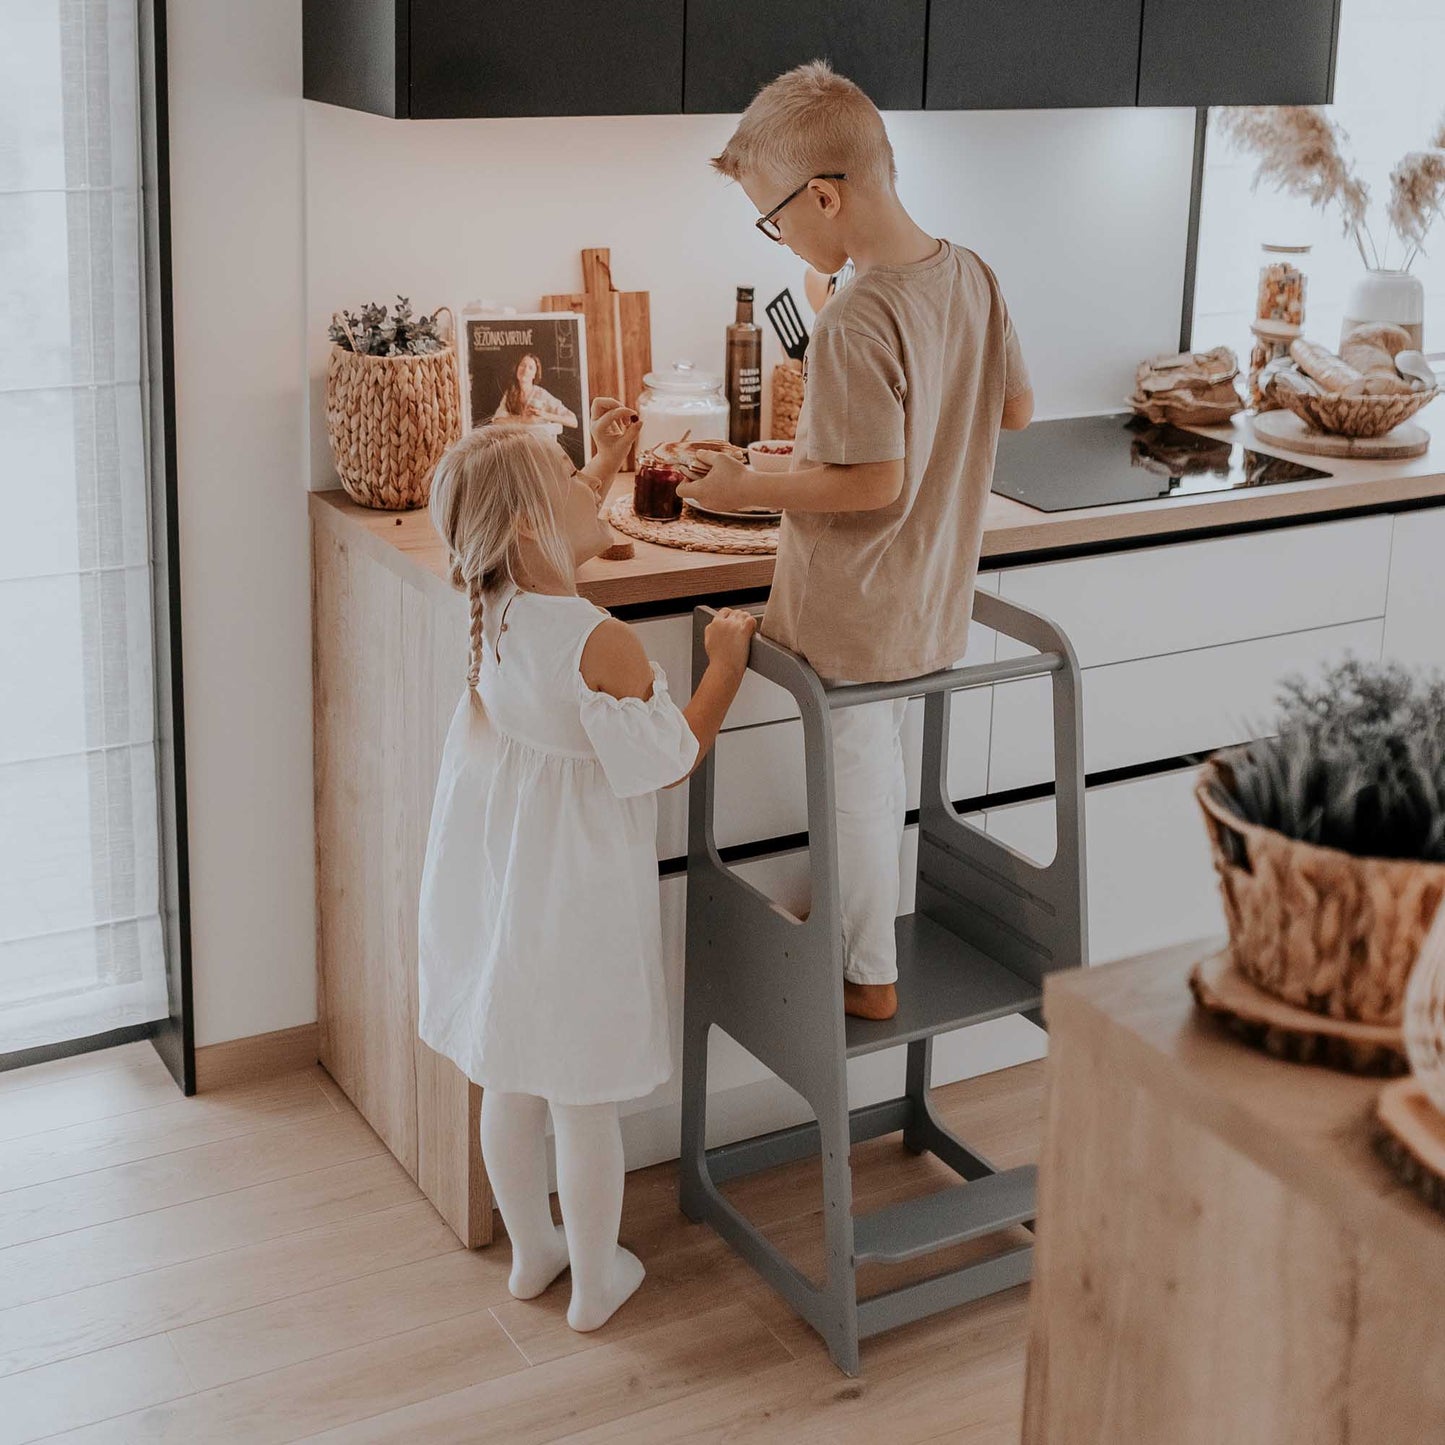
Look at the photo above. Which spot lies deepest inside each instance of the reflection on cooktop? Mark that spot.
(1097, 461)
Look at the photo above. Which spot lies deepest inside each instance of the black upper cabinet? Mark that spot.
(1238, 52)
(449, 58)
(442, 59)
(1032, 54)
(545, 57)
(353, 53)
(734, 47)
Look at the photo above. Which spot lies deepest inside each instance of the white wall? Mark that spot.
(1389, 97)
(237, 204)
(1082, 214)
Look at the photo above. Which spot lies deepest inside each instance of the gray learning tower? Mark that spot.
(989, 925)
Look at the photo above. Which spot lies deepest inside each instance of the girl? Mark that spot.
(540, 944)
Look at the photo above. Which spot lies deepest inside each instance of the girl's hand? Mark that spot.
(614, 427)
(728, 638)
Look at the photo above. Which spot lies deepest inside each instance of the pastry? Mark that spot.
(1332, 373)
(1371, 350)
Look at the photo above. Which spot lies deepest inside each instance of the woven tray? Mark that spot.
(694, 533)
(1410, 1137)
(1295, 1034)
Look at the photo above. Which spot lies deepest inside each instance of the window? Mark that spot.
(81, 948)
(1389, 98)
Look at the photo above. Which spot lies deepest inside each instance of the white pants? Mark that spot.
(871, 794)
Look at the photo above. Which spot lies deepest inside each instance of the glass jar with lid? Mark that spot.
(1279, 309)
(677, 401)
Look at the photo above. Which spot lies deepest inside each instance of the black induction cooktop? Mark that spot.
(1096, 461)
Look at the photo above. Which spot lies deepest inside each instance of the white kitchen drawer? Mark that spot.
(1187, 595)
(1415, 608)
(1151, 879)
(1163, 707)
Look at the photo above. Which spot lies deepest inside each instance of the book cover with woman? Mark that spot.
(527, 370)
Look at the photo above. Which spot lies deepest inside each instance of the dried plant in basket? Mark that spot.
(1329, 839)
(393, 403)
(374, 333)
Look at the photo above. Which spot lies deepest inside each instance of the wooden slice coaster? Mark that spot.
(692, 532)
(1294, 1034)
(1410, 1138)
(1287, 430)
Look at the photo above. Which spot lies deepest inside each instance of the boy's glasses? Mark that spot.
(769, 227)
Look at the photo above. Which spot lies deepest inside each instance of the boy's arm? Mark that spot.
(815, 487)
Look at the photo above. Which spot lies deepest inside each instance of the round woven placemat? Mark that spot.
(693, 532)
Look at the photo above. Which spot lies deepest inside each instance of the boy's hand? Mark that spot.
(728, 638)
(729, 486)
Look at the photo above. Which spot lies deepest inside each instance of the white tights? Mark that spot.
(589, 1188)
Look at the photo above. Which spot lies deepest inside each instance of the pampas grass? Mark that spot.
(1301, 152)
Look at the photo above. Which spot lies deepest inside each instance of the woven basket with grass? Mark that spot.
(1321, 929)
(1352, 416)
(787, 399)
(389, 419)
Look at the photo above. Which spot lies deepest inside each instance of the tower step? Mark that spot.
(952, 1216)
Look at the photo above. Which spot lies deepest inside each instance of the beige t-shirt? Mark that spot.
(914, 362)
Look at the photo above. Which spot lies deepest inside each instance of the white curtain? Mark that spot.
(80, 937)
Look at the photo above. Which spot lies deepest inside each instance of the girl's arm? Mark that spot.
(614, 429)
(614, 662)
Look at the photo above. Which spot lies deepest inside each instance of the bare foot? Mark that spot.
(531, 1276)
(870, 1000)
(622, 1281)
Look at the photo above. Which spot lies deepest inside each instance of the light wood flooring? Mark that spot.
(250, 1266)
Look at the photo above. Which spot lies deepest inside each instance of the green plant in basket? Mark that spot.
(1357, 764)
(375, 333)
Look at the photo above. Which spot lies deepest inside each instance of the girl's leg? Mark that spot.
(589, 1185)
(514, 1148)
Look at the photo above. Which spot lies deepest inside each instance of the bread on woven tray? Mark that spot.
(695, 458)
(1371, 350)
(1364, 367)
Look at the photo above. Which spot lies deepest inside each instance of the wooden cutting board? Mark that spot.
(619, 330)
(1285, 429)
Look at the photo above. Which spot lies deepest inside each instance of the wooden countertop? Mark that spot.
(1012, 531)
(1306, 1125)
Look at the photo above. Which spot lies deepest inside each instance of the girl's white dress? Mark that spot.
(540, 948)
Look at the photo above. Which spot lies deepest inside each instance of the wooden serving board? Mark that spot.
(1285, 1032)
(619, 331)
(1287, 430)
(1410, 1137)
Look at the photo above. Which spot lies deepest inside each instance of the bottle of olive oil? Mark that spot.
(745, 374)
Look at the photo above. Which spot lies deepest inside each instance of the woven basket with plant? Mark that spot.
(393, 403)
(1329, 840)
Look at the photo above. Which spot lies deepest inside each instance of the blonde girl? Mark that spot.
(540, 963)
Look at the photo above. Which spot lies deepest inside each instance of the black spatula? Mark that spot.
(783, 313)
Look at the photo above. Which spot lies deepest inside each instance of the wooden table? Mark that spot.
(1222, 1258)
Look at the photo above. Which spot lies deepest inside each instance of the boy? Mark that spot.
(912, 369)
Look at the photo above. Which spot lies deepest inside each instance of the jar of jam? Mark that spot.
(654, 490)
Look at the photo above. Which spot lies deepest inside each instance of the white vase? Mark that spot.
(1425, 1013)
(1394, 296)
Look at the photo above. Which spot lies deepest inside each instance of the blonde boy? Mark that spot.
(911, 371)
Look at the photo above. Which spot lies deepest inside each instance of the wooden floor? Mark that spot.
(251, 1266)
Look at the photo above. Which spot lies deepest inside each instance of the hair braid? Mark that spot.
(474, 650)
